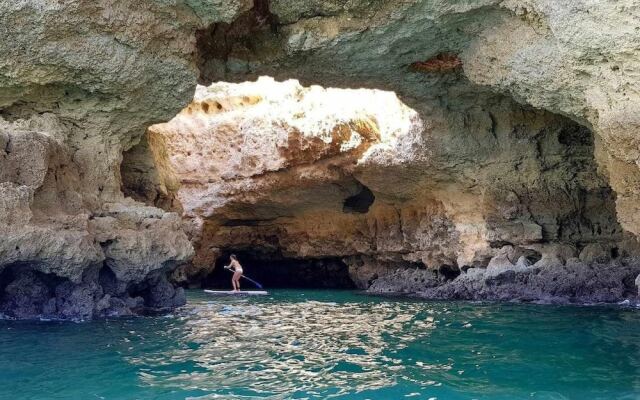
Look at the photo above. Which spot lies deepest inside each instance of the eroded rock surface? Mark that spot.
(545, 282)
(501, 130)
(53, 244)
(80, 81)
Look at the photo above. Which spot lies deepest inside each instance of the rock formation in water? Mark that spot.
(507, 158)
(80, 81)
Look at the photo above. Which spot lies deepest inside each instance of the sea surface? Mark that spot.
(307, 344)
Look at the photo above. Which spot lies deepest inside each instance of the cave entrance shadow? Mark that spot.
(283, 273)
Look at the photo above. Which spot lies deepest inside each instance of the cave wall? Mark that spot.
(80, 81)
(505, 105)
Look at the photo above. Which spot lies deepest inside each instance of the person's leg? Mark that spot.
(233, 281)
(236, 280)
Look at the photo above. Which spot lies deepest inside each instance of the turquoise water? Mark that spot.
(329, 344)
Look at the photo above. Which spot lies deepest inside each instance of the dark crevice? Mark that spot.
(6, 276)
(359, 203)
(449, 272)
(497, 244)
(247, 222)
(615, 253)
(532, 256)
(575, 135)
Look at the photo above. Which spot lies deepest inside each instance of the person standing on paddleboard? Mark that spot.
(237, 272)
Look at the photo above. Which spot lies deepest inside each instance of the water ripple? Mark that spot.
(319, 345)
(282, 348)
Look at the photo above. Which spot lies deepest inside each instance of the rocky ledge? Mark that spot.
(31, 294)
(545, 281)
(80, 81)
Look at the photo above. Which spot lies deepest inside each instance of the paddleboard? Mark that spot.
(232, 293)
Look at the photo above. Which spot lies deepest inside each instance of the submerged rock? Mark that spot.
(162, 294)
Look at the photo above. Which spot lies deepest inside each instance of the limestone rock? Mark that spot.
(490, 163)
(162, 294)
(77, 301)
(135, 241)
(364, 270)
(595, 252)
(25, 296)
(79, 83)
(404, 281)
(573, 282)
(502, 132)
(574, 58)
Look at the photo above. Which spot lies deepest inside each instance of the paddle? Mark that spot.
(245, 277)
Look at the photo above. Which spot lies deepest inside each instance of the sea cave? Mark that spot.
(430, 199)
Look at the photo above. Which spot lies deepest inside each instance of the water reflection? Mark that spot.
(272, 350)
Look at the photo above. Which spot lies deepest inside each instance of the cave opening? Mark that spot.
(359, 203)
(242, 159)
(275, 272)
